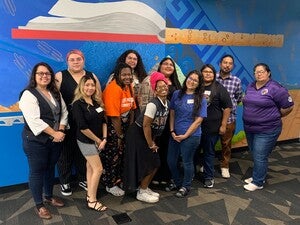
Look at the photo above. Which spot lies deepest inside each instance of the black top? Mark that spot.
(215, 106)
(159, 121)
(68, 86)
(90, 117)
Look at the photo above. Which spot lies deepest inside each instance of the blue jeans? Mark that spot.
(186, 149)
(261, 146)
(41, 160)
(209, 141)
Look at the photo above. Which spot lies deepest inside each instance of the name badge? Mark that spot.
(99, 109)
(190, 101)
(207, 93)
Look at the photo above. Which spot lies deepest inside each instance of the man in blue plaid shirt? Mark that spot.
(234, 87)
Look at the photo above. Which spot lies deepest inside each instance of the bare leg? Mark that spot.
(147, 180)
(94, 171)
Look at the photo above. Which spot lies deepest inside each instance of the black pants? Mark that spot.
(71, 160)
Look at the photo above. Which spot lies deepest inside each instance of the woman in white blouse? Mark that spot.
(45, 117)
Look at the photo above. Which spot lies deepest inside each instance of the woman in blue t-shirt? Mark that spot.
(187, 110)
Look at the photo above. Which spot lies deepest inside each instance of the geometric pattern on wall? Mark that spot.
(185, 14)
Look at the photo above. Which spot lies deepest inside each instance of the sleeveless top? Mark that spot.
(68, 86)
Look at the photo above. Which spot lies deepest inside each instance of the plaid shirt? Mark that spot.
(234, 88)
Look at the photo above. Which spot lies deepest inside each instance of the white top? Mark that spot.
(31, 111)
(151, 108)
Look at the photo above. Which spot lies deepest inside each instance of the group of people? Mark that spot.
(142, 128)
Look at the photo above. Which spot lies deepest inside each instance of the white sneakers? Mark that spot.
(252, 187)
(147, 195)
(249, 186)
(115, 190)
(225, 173)
(248, 180)
(150, 192)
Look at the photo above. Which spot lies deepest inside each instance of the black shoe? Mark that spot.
(171, 187)
(209, 183)
(83, 185)
(182, 192)
(66, 189)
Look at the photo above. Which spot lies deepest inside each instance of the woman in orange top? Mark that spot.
(119, 104)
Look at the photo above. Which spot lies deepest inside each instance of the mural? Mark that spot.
(192, 32)
(252, 32)
(101, 29)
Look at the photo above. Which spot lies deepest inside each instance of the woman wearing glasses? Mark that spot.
(67, 81)
(218, 110)
(187, 110)
(265, 103)
(45, 116)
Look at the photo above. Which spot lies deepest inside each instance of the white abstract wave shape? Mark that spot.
(124, 17)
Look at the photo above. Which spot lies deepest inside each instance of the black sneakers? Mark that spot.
(65, 189)
(171, 187)
(209, 183)
(83, 185)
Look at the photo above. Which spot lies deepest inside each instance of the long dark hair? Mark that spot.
(174, 77)
(214, 84)
(198, 94)
(139, 70)
(51, 86)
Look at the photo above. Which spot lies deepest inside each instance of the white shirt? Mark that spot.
(31, 111)
(151, 108)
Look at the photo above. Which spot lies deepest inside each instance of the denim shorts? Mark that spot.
(87, 148)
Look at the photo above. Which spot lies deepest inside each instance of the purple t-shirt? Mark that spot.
(262, 106)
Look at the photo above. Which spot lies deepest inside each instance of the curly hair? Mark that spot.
(139, 70)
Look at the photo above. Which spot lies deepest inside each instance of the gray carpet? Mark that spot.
(227, 203)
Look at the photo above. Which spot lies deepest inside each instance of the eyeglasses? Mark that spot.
(207, 71)
(79, 59)
(260, 72)
(41, 74)
(162, 87)
(131, 58)
(167, 64)
(193, 80)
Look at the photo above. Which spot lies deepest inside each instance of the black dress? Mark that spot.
(139, 159)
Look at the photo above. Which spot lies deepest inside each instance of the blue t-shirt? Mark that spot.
(183, 109)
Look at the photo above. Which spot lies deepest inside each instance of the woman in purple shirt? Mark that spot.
(265, 103)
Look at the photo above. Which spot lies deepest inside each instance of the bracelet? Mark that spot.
(104, 138)
(172, 131)
(61, 130)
